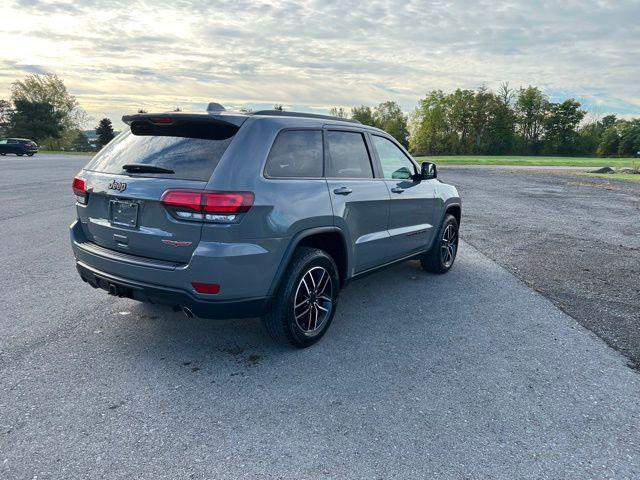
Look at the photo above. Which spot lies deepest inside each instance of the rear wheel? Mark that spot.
(19, 154)
(305, 302)
(443, 253)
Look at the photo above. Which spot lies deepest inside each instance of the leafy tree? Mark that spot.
(35, 120)
(5, 116)
(561, 126)
(609, 142)
(279, 107)
(81, 143)
(338, 112)
(432, 132)
(50, 89)
(363, 114)
(500, 132)
(531, 110)
(389, 117)
(105, 133)
(629, 145)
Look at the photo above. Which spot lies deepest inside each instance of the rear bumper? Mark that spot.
(245, 278)
(178, 299)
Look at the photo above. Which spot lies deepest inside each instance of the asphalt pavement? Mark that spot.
(575, 239)
(465, 376)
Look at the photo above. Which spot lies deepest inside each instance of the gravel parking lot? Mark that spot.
(468, 375)
(575, 239)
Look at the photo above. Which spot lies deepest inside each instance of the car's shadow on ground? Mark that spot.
(381, 310)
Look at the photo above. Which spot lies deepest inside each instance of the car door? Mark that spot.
(3, 146)
(360, 202)
(413, 202)
(13, 146)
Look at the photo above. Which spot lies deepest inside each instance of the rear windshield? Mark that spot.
(189, 158)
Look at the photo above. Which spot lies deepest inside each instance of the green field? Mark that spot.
(532, 161)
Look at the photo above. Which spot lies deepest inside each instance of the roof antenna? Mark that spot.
(215, 107)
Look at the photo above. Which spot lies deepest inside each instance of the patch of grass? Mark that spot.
(530, 161)
(634, 177)
(58, 152)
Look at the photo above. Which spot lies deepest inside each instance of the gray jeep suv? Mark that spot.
(270, 214)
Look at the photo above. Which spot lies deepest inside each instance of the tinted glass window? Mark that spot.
(395, 164)
(348, 156)
(189, 158)
(296, 153)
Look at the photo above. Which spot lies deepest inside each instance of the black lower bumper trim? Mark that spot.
(219, 309)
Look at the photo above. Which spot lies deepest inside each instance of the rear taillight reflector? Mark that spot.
(210, 288)
(79, 186)
(220, 207)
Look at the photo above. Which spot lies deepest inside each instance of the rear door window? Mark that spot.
(348, 156)
(183, 151)
(296, 153)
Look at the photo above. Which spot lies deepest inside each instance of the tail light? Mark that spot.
(217, 207)
(79, 186)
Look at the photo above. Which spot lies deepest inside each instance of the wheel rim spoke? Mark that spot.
(313, 300)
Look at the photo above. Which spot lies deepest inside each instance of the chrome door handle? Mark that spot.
(342, 191)
(397, 190)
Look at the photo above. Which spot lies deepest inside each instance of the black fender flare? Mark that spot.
(293, 244)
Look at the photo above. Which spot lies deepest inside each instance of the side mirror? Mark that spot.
(428, 170)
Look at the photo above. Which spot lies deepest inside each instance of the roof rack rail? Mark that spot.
(280, 113)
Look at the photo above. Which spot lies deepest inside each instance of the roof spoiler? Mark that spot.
(179, 118)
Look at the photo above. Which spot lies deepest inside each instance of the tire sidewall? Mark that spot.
(448, 220)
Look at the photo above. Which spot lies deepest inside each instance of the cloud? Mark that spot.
(118, 54)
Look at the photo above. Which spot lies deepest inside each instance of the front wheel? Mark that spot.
(306, 300)
(29, 154)
(445, 248)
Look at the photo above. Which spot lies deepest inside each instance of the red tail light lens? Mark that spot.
(219, 207)
(79, 186)
(226, 203)
(183, 199)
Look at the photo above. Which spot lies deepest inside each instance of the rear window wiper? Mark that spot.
(144, 168)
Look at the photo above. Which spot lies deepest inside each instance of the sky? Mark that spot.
(117, 56)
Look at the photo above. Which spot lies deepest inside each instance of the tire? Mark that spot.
(29, 154)
(19, 154)
(311, 277)
(442, 255)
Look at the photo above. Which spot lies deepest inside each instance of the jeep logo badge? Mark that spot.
(119, 186)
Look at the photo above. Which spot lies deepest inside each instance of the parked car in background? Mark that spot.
(261, 214)
(18, 146)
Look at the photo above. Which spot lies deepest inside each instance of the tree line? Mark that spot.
(41, 109)
(504, 122)
(462, 122)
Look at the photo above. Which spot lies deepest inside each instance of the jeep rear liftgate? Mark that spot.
(127, 193)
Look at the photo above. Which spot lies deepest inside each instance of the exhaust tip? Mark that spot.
(187, 311)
